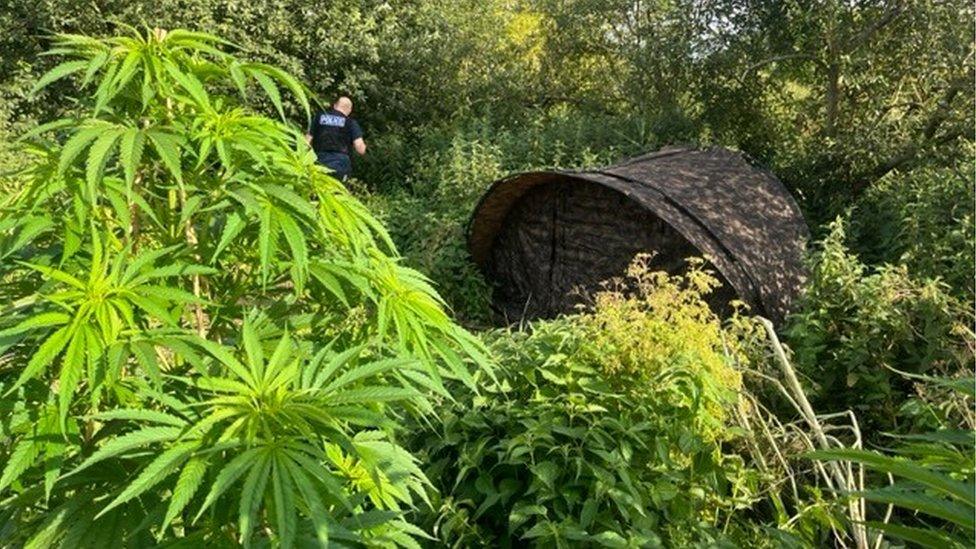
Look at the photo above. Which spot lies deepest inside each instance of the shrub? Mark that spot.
(204, 338)
(661, 321)
(584, 440)
(433, 242)
(856, 325)
(427, 220)
(923, 220)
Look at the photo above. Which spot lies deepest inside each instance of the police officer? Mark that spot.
(332, 133)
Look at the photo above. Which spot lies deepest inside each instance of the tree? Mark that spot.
(869, 86)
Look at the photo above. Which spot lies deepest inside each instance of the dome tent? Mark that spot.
(541, 237)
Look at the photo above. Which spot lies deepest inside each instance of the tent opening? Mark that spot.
(563, 240)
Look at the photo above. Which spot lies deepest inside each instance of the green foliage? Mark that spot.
(935, 480)
(464, 157)
(388, 56)
(432, 240)
(833, 98)
(429, 186)
(855, 326)
(569, 449)
(923, 220)
(149, 222)
(428, 223)
(140, 241)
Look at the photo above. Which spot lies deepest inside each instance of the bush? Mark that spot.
(923, 220)
(432, 241)
(585, 439)
(856, 325)
(427, 220)
(557, 137)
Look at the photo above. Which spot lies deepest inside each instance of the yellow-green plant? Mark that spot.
(586, 441)
(663, 333)
(201, 331)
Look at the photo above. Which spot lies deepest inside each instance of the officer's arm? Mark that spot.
(308, 139)
(360, 146)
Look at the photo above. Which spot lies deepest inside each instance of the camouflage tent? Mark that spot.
(547, 239)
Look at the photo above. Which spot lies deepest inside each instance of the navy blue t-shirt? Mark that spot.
(333, 131)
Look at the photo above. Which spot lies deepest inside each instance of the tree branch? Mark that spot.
(865, 35)
(909, 152)
(776, 59)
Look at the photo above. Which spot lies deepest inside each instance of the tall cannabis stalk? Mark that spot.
(203, 336)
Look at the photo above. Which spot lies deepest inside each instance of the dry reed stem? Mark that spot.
(841, 473)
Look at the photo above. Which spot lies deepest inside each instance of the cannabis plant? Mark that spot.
(204, 338)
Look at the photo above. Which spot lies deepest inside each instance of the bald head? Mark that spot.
(343, 105)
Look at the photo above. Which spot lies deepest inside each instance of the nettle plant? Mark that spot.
(204, 338)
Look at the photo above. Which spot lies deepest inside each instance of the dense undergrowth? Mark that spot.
(604, 429)
(426, 188)
(216, 343)
(889, 297)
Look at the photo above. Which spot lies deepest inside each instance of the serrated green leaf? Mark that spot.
(335, 363)
(168, 147)
(128, 69)
(269, 87)
(299, 250)
(233, 225)
(152, 474)
(140, 415)
(253, 348)
(175, 295)
(56, 274)
(228, 475)
(57, 73)
(76, 144)
(42, 320)
(189, 83)
(129, 441)
(130, 154)
(367, 394)
(94, 65)
(252, 494)
(71, 370)
(283, 490)
(55, 445)
(98, 157)
(24, 455)
(226, 357)
(186, 486)
(43, 357)
(317, 510)
(363, 371)
(267, 237)
(237, 75)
